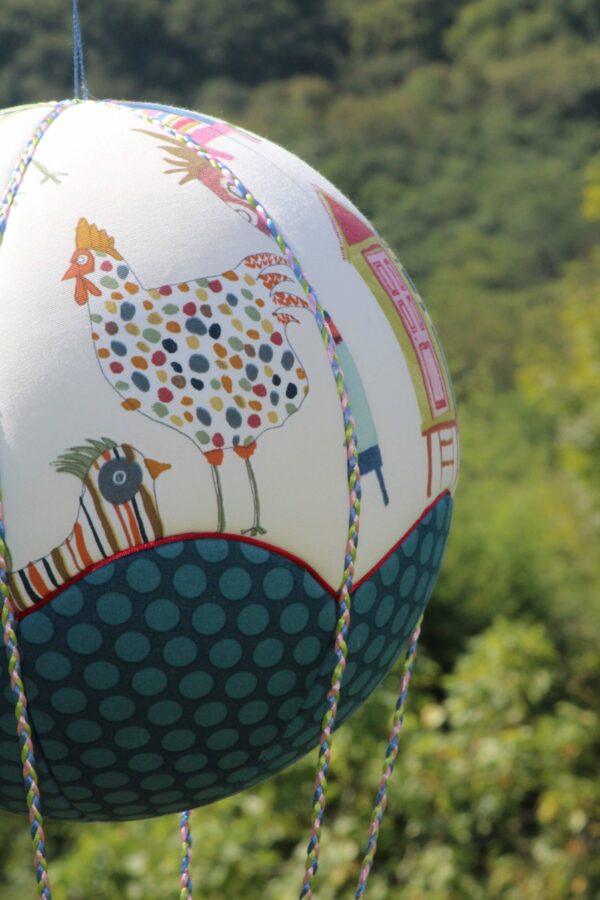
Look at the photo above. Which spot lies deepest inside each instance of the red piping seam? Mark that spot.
(220, 535)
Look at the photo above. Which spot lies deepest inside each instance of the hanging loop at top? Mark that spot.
(80, 90)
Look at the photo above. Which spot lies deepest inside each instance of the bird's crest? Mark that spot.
(89, 237)
(77, 460)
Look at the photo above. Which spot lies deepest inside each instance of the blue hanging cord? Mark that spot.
(80, 89)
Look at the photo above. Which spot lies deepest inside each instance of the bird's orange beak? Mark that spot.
(155, 468)
(72, 272)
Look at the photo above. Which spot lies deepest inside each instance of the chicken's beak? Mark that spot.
(72, 272)
(155, 468)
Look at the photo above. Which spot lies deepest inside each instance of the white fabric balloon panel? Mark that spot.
(173, 455)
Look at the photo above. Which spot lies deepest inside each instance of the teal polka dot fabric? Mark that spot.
(186, 672)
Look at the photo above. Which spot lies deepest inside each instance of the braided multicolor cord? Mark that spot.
(390, 760)
(185, 835)
(354, 494)
(23, 727)
(30, 777)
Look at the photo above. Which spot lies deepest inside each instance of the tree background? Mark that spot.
(468, 132)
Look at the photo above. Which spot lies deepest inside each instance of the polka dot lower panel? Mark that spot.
(188, 671)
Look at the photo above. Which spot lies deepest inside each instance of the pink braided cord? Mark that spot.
(354, 495)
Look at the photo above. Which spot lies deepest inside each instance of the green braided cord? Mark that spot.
(391, 754)
(354, 494)
(26, 749)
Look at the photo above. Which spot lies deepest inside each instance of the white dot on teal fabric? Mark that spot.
(253, 619)
(208, 618)
(180, 651)
(132, 737)
(36, 628)
(253, 712)
(98, 758)
(294, 618)
(68, 700)
(143, 576)
(83, 731)
(149, 682)
(165, 712)
(193, 762)
(53, 666)
(407, 581)
(84, 639)
(225, 654)
(69, 603)
(170, 550)
(389, 570)
(410, 543)
(233, 760)
(110, 780)
(178, 740)
(55, 750)
(385, 610)
(240, 685)
(400, 618)
(307, 650)
(196, 685)
(222, 739)
(210, 714)
(235, 583)
(201, 780)
(114, 608)
(156, 782)
(263, 735)
(358, 637)
(327, 617)
(132, 646)
(117, 709)
(212, 550)
(278, 583)
(281, 682)
(162, 615)
(146, 762)
(254, 554)
(101, 675)
(312, 588)
(268, 653)
(426, 548)
(189, 581)
(374, 649)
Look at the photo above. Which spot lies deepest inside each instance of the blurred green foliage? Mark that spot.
(468, 132)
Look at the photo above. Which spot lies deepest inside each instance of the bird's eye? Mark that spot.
(119, 480)
(81, 259)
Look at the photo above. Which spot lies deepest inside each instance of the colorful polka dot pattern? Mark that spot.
(208, 357)
(184, 673)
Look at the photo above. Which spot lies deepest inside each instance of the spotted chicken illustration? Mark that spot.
(117, 511)
(208, 357)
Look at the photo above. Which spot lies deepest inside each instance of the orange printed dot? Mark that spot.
(240, 401)
(116, 295)
(143, 346)
(103, 353)
(148, 305)
(183, 287)
(230, 276)
(236, 362)
(188, 416)
(300, 373)
(227, 383)
(260, 303)
(222, 364)
(95, 336)
(186, 401)
(252, 334)
(131, 404)
(220, 350)
(131, 288)
(139, 362)
(224, 308)
(173, 327)
(255, 404)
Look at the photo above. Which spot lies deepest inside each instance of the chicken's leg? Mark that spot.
(245, 453)
(215, 458)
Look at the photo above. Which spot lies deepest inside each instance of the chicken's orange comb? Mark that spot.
(89, 237)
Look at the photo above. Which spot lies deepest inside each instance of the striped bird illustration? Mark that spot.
(117, 511)
(210, 358)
